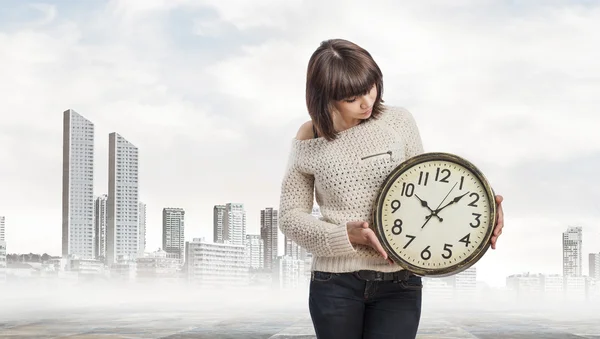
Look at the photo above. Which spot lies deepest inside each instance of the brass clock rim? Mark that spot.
(479, 251)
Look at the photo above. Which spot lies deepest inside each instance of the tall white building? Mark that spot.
(269, 227)
(100, 224)
(3, 263)
(142, 229)
(594, 264)
(218, 219)
(234, 224)
(2, 228)
(572, 242)
(254, 251)
(123, 200)
(174, 232)
(78, 186)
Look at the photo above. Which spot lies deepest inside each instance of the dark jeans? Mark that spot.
(344, 305)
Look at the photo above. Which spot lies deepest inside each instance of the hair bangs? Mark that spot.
(350, 79)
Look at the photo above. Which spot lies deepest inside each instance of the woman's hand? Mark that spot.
(499, 221)
(360, 233)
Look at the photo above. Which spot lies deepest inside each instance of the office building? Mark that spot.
(174, 232)
(141, 229)
(218, 219)
(123, 200)
(216, 265)
(572, 242)
(269, 224)
(78, 186)
(100, 224)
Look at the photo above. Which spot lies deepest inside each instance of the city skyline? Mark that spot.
(212, 96)
(223, 214)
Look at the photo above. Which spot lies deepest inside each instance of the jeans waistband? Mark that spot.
(368, 275)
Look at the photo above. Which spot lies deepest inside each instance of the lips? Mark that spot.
(367, 112)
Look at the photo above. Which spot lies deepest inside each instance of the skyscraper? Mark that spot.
(174, 232)
(2, 228)
(123, 199)
(78, 186)
(254, 251)
(572, 241)
(100, 224)
(268, 233)
(142, 229)
(234, 224)
(3, 263)
(218, 218)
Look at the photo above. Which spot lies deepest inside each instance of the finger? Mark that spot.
(498, 230)
(499, 199)
(365, 225)
(376, 245)
(493, 241)
(500, 222)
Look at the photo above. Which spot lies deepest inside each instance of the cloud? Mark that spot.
(48, 11)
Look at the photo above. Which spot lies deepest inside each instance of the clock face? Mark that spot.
(435, 216)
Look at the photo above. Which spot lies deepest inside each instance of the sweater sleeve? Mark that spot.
(405, 124)
(296, 222)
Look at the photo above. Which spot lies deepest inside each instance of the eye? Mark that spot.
(350, 100)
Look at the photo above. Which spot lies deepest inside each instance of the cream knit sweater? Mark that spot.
(345, 174)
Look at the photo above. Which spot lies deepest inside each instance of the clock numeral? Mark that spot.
(473, 203)
(423, 179)
(447, 249)
(411, 237)
(443, 171)
(466, 240)
(407, 189)
(425, 254)
(395, 205)
(462, 181)
(477, 215)
(397, 228)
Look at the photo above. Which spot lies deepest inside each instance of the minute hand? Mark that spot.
(455, 200)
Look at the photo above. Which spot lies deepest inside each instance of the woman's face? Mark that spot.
(358, 107)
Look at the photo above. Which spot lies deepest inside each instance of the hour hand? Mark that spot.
(454, 201)
(425, 204)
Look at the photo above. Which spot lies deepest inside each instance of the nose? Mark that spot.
(366, 102)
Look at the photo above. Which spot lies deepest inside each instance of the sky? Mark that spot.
(212, 93)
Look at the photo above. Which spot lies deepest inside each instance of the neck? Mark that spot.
(341, 124)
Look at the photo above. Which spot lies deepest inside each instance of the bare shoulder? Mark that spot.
(305, 131)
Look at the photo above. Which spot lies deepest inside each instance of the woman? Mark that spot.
(342, 156)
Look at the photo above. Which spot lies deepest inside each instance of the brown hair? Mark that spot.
(337, 70)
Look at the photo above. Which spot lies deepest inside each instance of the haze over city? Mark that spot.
(212, 93)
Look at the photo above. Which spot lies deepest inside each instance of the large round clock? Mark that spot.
(435, 214)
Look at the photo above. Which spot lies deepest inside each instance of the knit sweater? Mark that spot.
(345, 176)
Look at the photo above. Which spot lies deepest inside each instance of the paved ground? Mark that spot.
(128, 323)
(484, 325)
